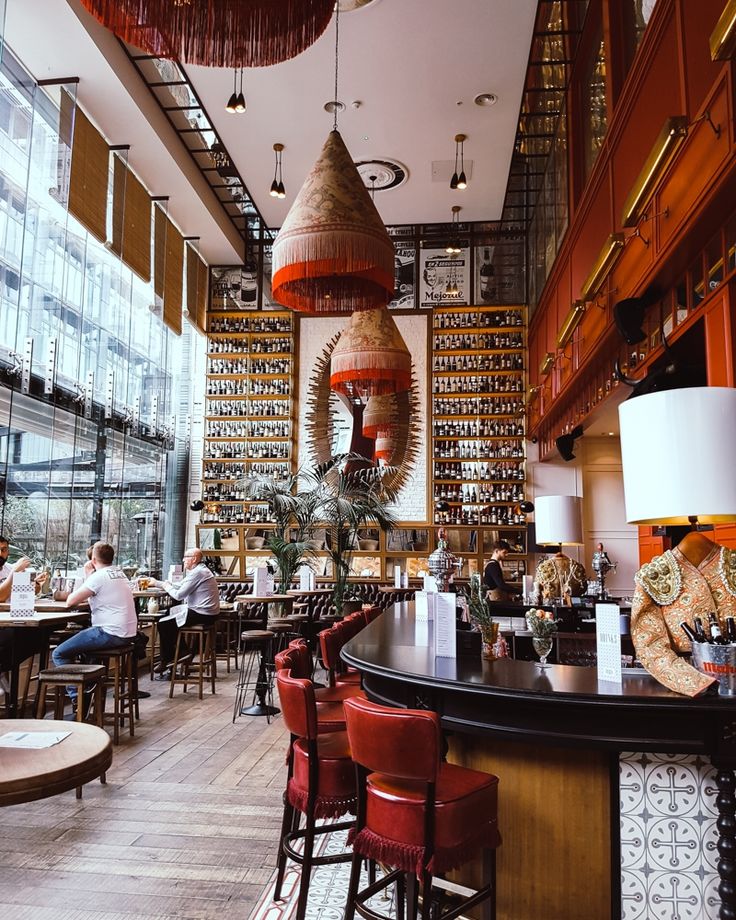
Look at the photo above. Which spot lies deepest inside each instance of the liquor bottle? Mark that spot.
(699, 631)
(487, 278)
(715, 629)
(731, 629)
(689, 632)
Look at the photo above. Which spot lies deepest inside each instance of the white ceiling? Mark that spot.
(414, 65)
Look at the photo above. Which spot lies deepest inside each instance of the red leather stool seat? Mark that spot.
(336, 783)
(466, 805)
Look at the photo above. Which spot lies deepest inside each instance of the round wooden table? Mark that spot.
(27, 774)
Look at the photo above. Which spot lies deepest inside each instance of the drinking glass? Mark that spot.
(542, 646)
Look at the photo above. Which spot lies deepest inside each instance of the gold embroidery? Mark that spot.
(661, 578)
(727, 570)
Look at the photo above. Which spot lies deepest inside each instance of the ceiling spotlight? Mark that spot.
(486, 99)
(236, 103)
(333, 106)
(459, 180)
(277, 189)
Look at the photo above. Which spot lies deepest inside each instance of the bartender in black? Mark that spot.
(498, 588)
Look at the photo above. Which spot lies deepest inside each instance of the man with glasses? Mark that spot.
(199, 593)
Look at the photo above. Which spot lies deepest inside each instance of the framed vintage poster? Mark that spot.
(234, 287)
(444, 278)
(405, 263)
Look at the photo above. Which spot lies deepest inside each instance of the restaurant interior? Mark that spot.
(367, 522)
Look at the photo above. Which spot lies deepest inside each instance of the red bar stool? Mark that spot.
(330, 642)
(370, 614)
(299, 662)
(416, 814)
(320, 784)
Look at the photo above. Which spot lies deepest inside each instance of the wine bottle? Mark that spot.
(689, 632)
(731, 629)
(699, 631)
(487, 278)
(715, 629)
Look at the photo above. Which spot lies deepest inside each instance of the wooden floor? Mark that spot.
(186, 827)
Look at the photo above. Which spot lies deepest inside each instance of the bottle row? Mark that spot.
(248, 429)
(219, 450)
(222, 492)
(472, 495)
(710, 632)
(452, 364)
(235, 514)
(474, 320)
(248, 408)
(497, 516)
(465, 471)
(234, 471)
(489, 450)
(255, 347)
(252, 387)
(253, 323)
(480, 341)
(481, 406)
(484, 428)
(249, 366)
(473, 384)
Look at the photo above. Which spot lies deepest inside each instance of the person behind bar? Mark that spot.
(498, 588)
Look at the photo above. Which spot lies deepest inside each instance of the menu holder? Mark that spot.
(397, 576)
(22, 596)
(445, 638)
(608, 640)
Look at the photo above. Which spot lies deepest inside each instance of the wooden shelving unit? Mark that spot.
(478, 418)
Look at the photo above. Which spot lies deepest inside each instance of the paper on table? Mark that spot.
(608, 635)
(35, 740)
(445, 637)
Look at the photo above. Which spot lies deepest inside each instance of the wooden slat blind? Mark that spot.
(131, 220)
(88, 181)
(197, 282)
(168, 268)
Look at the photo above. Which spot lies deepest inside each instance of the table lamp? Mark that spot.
(558, 520)
(677, 451)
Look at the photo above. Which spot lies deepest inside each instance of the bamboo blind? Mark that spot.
(168, 268)
(131, 220)
(197, 281)
(90, 167)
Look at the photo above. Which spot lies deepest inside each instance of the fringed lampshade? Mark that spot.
(333, 254)
(385, 447)
(370, 358)
(216, 33)
(380, 414)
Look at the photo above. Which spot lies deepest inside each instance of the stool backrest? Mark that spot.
(371, 613)
(296, 696)
(403, 743)
(352, 625)
(295, 658)
(330, 642)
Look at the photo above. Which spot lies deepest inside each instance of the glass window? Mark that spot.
(595, 117)
(642, 12)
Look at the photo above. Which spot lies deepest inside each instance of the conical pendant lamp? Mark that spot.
(333, 254)
(385, 447)
(371, 358)
(380, 415)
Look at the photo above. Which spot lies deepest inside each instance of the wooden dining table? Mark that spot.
(27, 774)
(47, 616)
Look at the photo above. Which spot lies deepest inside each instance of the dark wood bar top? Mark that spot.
(560, 705)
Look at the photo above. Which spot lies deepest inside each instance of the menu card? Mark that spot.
(424, 606)
(262, 582)
(430, 583)
(397, 576)
(35, 740)
(445, 637)
(608, 635)
(22, 596)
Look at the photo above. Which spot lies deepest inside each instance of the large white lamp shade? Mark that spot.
(558, 520)
(678, 449)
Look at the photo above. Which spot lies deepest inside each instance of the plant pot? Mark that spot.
(489, 637)
(368, 544)
(254, 542)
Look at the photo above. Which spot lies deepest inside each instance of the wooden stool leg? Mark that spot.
(116, 702)
(213, 660)
(175, 666)
(99, 704)
(200, 669)
(59, 702)
(131, 697)
(80, 707)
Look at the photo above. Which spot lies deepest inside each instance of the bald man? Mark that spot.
(198, 590)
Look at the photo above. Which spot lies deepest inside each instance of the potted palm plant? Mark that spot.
(349, 493)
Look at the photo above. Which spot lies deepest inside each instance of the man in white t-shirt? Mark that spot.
(6, 569)
(114, 621)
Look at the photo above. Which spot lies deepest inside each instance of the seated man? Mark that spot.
(16, 643)
(114, 621)
(199, 591)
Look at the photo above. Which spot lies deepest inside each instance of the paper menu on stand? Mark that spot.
(22, 596)
(445, 637)
(430, 582)
(424, 606)
(262, 582)
(608, 641)
(305, 582)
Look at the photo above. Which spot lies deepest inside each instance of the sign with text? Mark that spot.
(262, 582)
(608, 636)
(423, 606)
(445, 637)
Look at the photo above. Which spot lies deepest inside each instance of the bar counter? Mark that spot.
(606, 792)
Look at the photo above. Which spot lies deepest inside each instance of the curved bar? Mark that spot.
(559, 740)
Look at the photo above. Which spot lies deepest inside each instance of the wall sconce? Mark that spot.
(548, 362)
(571, 323)
(673, 133)
(603, 264)
(723, 38)
(534, 392)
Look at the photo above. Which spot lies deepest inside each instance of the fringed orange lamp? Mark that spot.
(385, 447)
(216, 33)
(380, 414)
(333, 254)
(370, 358)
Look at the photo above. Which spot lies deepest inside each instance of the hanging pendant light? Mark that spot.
(216, 33)
(380, 415)
(462, 181)
(232, 103)
(385, 447)
(277, 186)
(371, 357)
(333, 253)
(453, 247)
(240, 105)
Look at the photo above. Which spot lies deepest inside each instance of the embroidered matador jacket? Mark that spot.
(559, 573)
(670, 590)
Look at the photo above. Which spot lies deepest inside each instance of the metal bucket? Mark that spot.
(717, 661)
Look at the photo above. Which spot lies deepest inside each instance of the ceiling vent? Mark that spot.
(388, 174)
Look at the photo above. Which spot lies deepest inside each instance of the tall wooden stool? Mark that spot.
(256, 675)
(81, 676)
(227, 636)
(416, 814)
(122, 679)
(201, 640)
